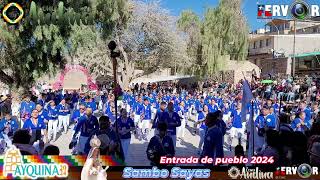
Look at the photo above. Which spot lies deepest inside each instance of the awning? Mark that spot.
(305, 54)
(158, 79)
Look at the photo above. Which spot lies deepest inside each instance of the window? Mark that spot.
(267, 42)
(287, 25)
(254, 45)
(261, 43)
(315, 30)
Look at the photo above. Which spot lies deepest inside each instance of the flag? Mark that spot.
(262, 11)
(246, 99)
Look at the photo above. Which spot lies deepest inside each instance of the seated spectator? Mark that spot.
(51, 150)
(21, 140)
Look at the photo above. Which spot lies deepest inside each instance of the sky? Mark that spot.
(249, 8)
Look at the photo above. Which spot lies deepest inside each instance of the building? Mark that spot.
(273, 50)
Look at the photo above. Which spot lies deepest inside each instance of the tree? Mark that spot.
(151, 41)
(223, 31)
(148, 41)
(41, 41)
(190, 24)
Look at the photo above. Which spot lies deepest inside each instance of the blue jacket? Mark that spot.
(91, 105)
(260, 121)
(52, 113)
(173, 121)
(297, 121)
(42, 102)
(236, 119)
(14, 126)
(27, 107)
(138, 108)
(213, 145)
(43, 115)
(271, 121)
(147, 112)
(30, 126)
(201, 117)
(76, 115)
(86, 125)
(160, 117)
(62, 107)
(128, 125)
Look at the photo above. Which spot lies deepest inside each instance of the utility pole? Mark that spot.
(294, 49)
(114, 55)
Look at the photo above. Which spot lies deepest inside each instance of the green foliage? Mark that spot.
(223, 31)
(50, 29)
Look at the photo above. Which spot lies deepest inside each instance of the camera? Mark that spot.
(304, 170)
(300, 10)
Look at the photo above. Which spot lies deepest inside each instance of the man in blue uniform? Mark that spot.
(303, 107)
(182, 125)
(161, 116)
(42, 99)
(236, 130)
(8, 126)
(63, 115)
(260, 126)
(145, 124)
(213, 143)
(300, 123)
(43, 116)
(138, 111)
(89, 103)
(35, 125)
(109, 141)
(87, 124)
(26, 108)
(173, 121)
(213, 107)
(53, 120)
(271, 119)
(78, 113)
(160, 145)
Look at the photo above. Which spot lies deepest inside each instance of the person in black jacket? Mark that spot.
(160, 145)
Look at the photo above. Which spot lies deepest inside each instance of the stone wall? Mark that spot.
(234, 71)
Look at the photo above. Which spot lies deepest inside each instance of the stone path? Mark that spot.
(137, 149)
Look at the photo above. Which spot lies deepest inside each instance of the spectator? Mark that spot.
(21, 140)
(51, 150)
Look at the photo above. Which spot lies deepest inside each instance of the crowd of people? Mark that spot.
(285, 118)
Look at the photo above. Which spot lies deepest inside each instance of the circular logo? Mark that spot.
(233, 172)
(16, 20)
(304, 170)
(300, 10)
